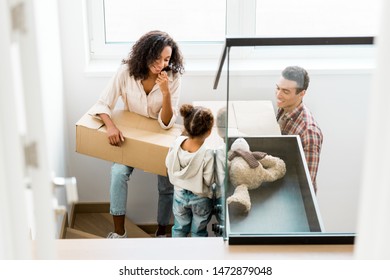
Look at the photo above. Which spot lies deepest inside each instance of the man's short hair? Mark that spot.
(297, 74)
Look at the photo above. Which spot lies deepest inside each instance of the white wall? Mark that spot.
(32, 116)
(337, 98)
(372, 241)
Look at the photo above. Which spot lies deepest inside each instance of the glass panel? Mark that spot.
(262, 200)
(217, 141)
(187, 21)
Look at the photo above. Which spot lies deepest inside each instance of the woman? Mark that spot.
(149, 83)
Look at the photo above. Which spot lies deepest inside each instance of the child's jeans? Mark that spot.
(192, 214)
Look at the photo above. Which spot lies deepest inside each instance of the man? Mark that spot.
(294, 117)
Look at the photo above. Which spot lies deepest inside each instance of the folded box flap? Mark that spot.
(90, 122)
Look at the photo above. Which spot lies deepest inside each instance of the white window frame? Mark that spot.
(97, 49)
(201, 57)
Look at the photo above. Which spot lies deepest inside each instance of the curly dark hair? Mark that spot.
(147, 49)
(198, 120)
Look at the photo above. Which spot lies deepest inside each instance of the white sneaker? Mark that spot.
(114, 235)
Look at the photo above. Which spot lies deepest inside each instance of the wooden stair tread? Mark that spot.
(71, 233)
(94, 218)
(101, 224)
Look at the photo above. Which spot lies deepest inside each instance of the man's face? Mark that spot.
(286, 95)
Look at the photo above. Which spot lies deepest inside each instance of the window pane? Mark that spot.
(184, 20)
(316, 18)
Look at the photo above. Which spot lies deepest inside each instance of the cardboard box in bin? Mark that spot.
(245, 118)
(145, 147)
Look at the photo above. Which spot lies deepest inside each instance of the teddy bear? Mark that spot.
(247, 171)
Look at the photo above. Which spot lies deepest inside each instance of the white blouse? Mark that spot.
(135, 98)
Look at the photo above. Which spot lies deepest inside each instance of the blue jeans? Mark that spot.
(120, 174)
(192, 214)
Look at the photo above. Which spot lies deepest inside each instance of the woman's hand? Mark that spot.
(166, 112)
(162, 81)
(115, 136)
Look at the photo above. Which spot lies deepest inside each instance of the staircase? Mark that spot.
(93, 220)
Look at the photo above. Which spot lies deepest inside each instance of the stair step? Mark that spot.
(94, 218)
(101, 224)
(72, 233)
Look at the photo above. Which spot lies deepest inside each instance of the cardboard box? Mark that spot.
(145, 147)
(245, 118)
(254, 118)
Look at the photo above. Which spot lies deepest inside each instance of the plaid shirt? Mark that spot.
(301, 122)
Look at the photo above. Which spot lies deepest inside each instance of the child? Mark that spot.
(190, 169)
